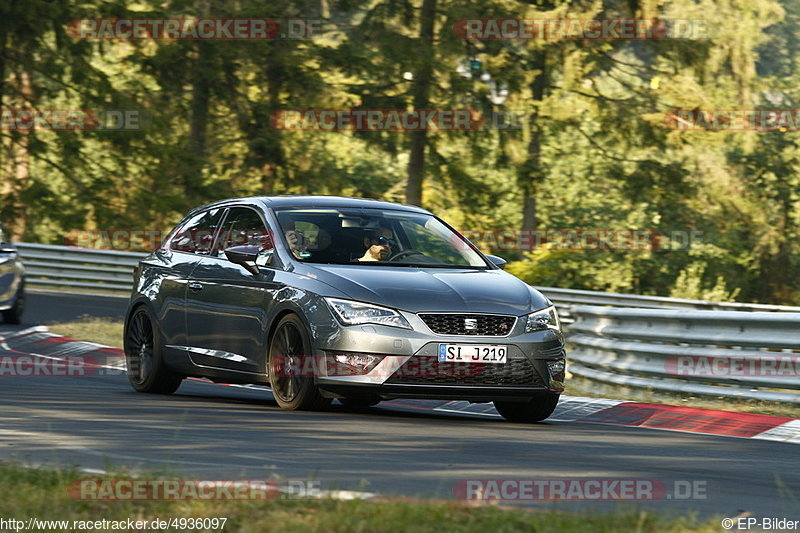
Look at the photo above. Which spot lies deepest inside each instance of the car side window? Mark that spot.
(196, 235)
(243, 226)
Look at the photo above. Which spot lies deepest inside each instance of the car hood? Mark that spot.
(433, 289)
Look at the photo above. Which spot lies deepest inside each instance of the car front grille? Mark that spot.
(469, 324)
(428, 370)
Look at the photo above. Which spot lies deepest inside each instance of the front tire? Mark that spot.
(143, 356)
(289, 348)
(14, 314)
(534, 410)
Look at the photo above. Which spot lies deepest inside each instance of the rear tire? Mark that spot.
(534, 410)
(143, 356)
(14, 314)
(289, 347)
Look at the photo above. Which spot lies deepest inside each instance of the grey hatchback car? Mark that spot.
(12, 282)
(325, 298)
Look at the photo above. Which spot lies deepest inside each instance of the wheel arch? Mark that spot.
(279, 315)
(132, 307)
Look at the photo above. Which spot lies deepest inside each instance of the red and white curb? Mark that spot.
(39, 342)
(658, 416)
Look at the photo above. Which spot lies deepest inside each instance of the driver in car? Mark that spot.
(298, 244)
(378, 244)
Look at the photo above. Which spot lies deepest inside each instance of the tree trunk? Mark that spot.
(198, 126)
(420, 92)
(5, 180)
(780, 278)
(530, 173)
(201, 97)
(17, 168)
(271, 153)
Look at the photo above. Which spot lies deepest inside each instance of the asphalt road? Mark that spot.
(50, 307)
(218, 432)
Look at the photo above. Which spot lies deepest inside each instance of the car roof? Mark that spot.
(293, 200)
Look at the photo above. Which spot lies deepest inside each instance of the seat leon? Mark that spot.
(324, 298)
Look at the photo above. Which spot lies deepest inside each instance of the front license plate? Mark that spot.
(473, 353)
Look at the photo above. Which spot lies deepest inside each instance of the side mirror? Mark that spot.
(498, 261)
(245, 256)
(6, 248)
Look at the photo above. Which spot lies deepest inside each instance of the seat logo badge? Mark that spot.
(470, 324)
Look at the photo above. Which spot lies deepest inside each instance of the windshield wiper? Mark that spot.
(440, 265)
(415, 265)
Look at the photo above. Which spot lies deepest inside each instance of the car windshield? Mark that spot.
(375, 237)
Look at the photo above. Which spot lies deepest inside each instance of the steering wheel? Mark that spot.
(404, 253)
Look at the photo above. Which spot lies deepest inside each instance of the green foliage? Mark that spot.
(690, 285)
(605, 271)
(590, 150)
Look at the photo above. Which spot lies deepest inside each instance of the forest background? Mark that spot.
(576, 135)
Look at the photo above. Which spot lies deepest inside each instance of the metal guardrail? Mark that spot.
(721, 353)
(564, 298)
(71, 267)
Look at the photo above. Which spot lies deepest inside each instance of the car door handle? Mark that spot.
(195, 286)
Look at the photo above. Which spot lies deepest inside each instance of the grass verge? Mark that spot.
(90, 329)
(43, 494)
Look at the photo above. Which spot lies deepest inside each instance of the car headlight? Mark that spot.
(351, 313)
(546, 318)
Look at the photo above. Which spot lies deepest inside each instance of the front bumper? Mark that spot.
(426, 392)
(409, 366)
